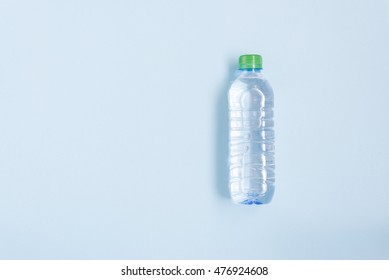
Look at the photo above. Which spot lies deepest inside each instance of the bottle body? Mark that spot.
(251, 138)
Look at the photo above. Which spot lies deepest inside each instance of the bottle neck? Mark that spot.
(251, 69)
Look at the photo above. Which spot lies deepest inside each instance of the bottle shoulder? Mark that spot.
(246, 80)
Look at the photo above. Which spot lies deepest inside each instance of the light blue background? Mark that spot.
(113, 129)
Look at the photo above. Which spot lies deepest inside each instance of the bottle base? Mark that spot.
(253, 199)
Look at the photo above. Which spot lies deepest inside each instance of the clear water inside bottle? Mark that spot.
(251, 139)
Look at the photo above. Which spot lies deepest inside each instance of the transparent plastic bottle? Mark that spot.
(251, 142)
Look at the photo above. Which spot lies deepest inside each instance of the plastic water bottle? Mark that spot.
(251, 142)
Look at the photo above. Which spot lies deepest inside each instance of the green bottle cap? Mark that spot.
(250, 61)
